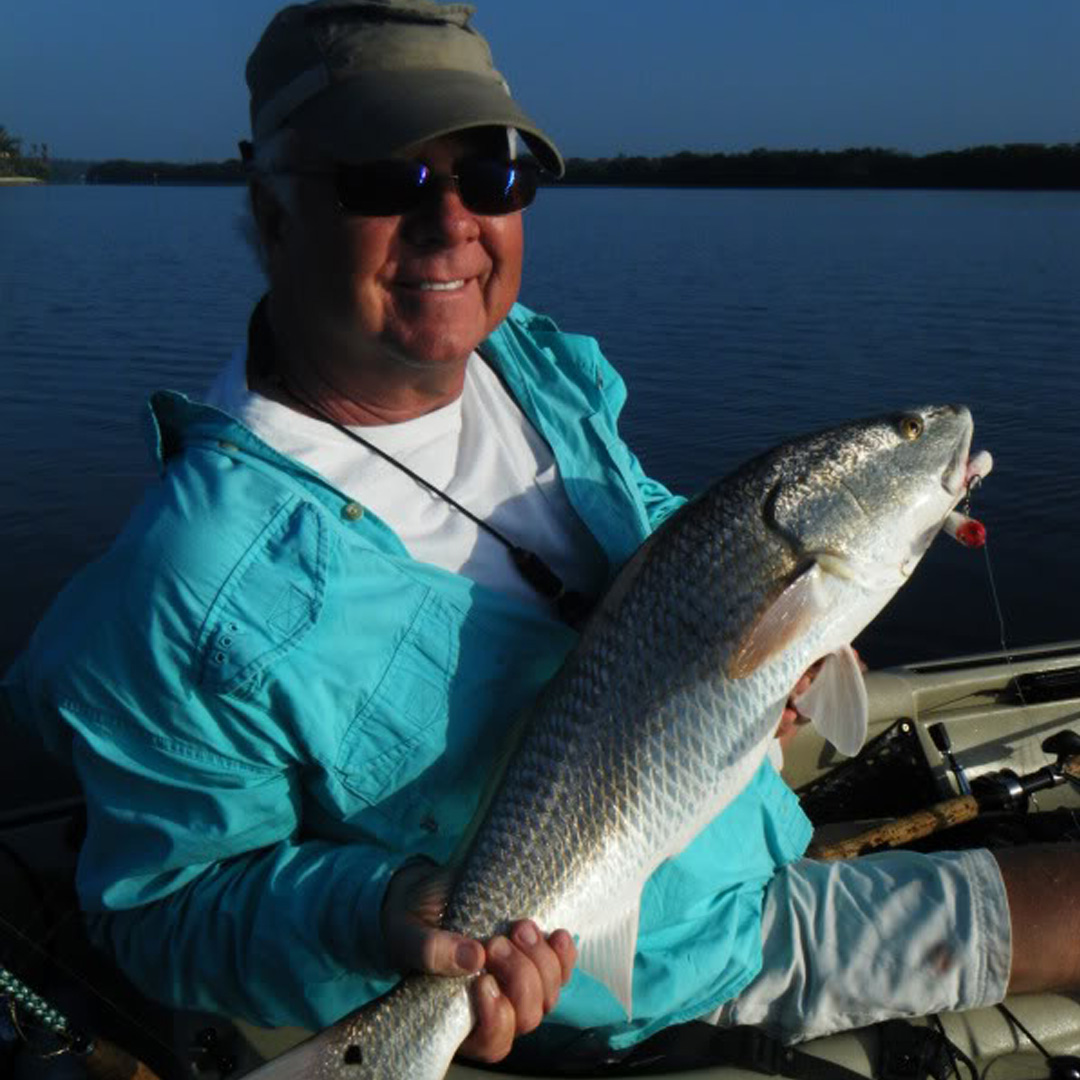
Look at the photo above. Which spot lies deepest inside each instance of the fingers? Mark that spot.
(418, 947)
(443, 953)
(790, 717)
(565, 949)
(807, 677)
(411, 909)
(492, 1037)
(525, 972)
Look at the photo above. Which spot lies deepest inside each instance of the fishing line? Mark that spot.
(973, 485)
(1001, 624)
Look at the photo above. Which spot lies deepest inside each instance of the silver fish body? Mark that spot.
(667, 706)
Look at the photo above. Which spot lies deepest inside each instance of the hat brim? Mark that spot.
(378, 114)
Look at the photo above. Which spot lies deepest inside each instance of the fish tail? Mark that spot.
(301, 1061)
(414, 1031)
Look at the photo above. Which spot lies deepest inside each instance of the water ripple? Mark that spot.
(735, 316)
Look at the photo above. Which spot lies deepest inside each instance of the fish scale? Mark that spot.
(644, 780)
(667, 706)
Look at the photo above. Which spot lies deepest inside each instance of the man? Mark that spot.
(284, 687)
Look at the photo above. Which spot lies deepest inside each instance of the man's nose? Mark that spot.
(443, 218)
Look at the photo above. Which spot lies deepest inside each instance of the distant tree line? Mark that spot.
(1015, 165)
(13, 162)
(165, 172)
(1018, 165)
(68, 170)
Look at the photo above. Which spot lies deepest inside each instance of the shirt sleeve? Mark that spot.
(222, 942)
(195, 877)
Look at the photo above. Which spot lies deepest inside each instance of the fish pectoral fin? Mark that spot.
(836, 701)
(798, 605)
(606, 952)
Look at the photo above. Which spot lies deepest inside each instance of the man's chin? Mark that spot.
(438, 345)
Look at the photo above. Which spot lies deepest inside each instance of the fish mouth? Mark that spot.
(952, 479)
(965, 469)
(978, 468)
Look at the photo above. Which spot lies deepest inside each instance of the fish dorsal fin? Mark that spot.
(836, 701)
(606, 950)
(797, 606)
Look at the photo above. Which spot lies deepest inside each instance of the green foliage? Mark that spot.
(13, 162)
(1019, 165)
(9, 144)
(164, 172)
(68, 170)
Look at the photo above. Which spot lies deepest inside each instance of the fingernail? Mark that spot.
(499, 948)
(490, 986)
(526, 934)
(466, 958)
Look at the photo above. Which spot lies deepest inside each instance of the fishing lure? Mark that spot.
(959, 525)
(966, 530)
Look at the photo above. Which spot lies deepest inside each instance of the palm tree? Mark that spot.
(10, 145)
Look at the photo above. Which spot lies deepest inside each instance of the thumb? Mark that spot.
(438, 952)
(412, 908)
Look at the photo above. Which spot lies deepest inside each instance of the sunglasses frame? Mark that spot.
(426, 184)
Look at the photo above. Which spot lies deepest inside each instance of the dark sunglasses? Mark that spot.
(392, 187)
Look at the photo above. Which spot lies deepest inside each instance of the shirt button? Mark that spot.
(227, 446)
(352, 511)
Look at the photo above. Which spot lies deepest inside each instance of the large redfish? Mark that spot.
(668, 705)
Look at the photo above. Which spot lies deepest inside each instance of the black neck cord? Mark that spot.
(573, 606)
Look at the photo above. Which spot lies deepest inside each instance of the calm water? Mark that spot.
(737, 317)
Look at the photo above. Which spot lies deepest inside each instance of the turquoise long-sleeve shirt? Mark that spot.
(270, 706)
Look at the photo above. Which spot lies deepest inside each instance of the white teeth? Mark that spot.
(440, 286)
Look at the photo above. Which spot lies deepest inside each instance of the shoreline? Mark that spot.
(21, 180)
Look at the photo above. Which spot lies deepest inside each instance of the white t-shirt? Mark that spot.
(480, 449)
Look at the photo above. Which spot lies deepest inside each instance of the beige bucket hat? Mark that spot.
(370, 78)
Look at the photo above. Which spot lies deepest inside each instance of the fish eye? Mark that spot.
(910, 427)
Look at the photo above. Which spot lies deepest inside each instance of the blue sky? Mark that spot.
(158, 79)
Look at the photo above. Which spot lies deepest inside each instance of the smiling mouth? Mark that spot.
(434, 286)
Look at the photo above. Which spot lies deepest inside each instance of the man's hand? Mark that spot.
(791, 719)
(523, 971)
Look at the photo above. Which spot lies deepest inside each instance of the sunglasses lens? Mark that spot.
(388, 188)
(381, 188)
(496, 187)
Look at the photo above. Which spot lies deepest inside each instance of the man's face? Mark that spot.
(420, 289)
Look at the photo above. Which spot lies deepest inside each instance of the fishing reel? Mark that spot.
(1007, 790)
(1002, 795)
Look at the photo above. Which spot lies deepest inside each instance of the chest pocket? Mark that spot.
(269, 602)
(397, 752)
(420, 750)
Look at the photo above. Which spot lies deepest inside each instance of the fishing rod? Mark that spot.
(999, 791)
(43, 1031)
(101, 1059)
